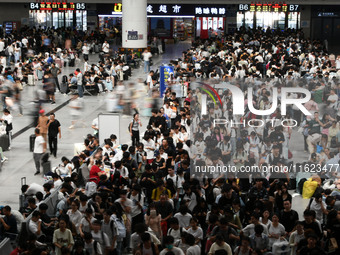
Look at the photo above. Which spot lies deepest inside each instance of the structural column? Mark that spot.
(134, 28)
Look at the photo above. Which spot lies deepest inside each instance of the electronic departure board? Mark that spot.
(269, 7)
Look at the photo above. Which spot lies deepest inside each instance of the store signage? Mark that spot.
(164, 72)
(328, 14)
(210, 10)
(57, 6)
(177, 10)
(132, 35)
(117, 7)
(269, 7)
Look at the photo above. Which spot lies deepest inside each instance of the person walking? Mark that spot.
(147, 59)
(134, 129)
(55, 71)
(53, 131)
(7, 118)
(42, 124)
(79, 77)
(86, 51)
(39, 149)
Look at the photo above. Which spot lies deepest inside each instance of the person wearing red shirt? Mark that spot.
(95, 171)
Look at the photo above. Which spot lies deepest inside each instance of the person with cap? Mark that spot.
(39, 149)
(42, 124)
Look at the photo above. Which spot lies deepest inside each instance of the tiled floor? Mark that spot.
(20, 163)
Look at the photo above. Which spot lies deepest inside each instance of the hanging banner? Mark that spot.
(210, 23)
(220, 22)
(205, 24)
(164, 72)
(215, 21)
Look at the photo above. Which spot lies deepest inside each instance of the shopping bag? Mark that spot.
(309, 188)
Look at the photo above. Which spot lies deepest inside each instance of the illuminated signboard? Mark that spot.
(57, 6)
(207, 10)
(117, 7)
(268, 7)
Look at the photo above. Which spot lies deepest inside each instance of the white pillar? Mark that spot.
(134, 24)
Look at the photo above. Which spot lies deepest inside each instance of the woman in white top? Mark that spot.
(7, 119)
(196, 231)
(265, 218)
(74, 214)
(296, 237)
(276, 231)
(67, 167)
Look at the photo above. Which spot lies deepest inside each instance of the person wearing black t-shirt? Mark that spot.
(312, 248)
(53, 131)
(310, 223)
(147, 181)
(8, 223)
(277, 137)
(288, 217)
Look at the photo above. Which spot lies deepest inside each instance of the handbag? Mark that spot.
(9, 127)
(334, 243)
(281, 246)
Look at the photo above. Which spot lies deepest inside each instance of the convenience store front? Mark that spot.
(180, 21)
(268, 15)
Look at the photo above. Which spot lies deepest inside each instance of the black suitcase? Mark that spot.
(22, 196)
(64, 88)
(46, 167)
(71, 63)
(4, 142)
(32, 140)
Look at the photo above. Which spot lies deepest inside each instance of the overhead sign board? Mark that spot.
(269, 7)
(57, 6)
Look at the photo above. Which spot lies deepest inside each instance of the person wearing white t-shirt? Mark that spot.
(39, 150)
(333, 102)
(183, 217)
(86, 51)
(149, 82)
(146, 57)
(2, 46)
(194, 249)
(169, 246)
(106, 47)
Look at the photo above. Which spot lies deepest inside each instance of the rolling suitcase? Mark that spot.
(71, 63)
(46, 167)
(30, 80)
(4, 142)
(96, 48)
(64, 88)
(22, 196)
(32, 140)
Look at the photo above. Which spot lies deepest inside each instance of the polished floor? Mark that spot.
(20, 160)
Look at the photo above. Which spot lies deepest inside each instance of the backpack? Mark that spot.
(180, 231)
(90, 188)
(64, 79)
(333, 142)
(120, 227)
(139, 196)
(95, 247)
(131, 125)
(7, 51)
